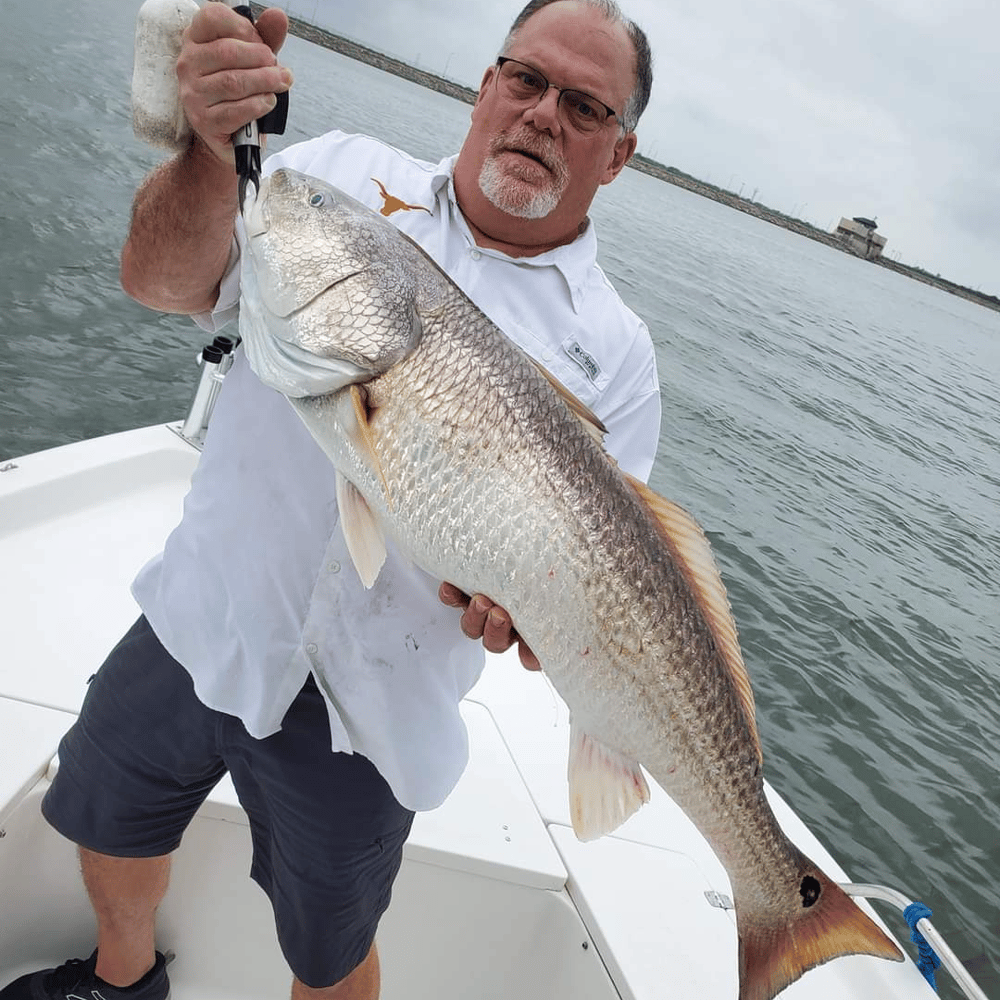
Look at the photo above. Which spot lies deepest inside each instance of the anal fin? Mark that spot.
(605, 786)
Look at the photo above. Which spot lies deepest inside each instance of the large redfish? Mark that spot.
(449, 440)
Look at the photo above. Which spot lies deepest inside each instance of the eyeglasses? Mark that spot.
(518, 81)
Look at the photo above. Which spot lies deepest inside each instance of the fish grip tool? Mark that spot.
(246, 142)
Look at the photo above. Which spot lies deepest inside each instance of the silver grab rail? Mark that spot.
(949, 959)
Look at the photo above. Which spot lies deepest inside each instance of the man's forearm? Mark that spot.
(181, 232)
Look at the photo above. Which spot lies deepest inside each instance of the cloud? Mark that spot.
(833, 107)
(853, 107)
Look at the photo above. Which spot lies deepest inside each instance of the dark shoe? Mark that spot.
(76, 978)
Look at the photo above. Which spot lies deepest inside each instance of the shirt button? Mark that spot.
(334, 566)
(475, 255)
(311, 647)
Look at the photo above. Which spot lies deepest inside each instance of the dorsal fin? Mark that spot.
(590, 420)
(693, 555)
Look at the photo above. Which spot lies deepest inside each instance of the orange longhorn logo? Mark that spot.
(393, 204)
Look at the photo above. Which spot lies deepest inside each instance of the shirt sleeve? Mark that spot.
(226, 307)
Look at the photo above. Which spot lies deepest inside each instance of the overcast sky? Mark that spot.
(825, 108)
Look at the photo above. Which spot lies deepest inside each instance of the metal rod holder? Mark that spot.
(193, 428)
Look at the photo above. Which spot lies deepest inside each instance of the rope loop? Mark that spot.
(928, 960)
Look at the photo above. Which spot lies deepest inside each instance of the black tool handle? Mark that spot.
(273, 123)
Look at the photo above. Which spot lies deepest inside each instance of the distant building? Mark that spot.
(859, 236)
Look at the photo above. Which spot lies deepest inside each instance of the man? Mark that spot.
(259, 651)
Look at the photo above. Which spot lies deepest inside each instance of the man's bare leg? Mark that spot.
(362, 984)
(124, 893)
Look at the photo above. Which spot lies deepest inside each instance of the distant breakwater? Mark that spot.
(355, 50)
(362, 53)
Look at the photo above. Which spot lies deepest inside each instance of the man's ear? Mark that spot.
(487, 80)
(623, 151)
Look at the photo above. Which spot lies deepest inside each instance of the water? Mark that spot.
(832, 425)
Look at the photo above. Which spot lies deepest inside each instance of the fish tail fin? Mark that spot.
(825, 924)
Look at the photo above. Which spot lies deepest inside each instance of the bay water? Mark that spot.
(832, 425)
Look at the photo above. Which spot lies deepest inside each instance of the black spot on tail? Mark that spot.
(809, 891)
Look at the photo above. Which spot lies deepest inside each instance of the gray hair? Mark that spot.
(639, 97)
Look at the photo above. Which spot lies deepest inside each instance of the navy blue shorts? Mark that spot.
(327, 831)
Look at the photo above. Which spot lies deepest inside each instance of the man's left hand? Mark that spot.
(482, 619)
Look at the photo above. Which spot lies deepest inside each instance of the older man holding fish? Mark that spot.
(260, 649)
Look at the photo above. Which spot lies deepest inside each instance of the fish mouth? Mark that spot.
(256, 218)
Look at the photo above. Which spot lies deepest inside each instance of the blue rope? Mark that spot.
(928, 960)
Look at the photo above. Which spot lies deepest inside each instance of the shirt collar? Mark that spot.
(574, 261)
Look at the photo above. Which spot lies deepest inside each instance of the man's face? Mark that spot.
(523, 159)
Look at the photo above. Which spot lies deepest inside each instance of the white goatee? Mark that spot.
(513, 195)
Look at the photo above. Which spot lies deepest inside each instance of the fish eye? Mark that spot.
(317, 199)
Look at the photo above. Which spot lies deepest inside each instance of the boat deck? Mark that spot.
(496, 897)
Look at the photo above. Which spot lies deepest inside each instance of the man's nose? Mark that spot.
(544, 114)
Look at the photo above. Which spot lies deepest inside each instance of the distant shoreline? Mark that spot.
(674, 176)
(354, 50)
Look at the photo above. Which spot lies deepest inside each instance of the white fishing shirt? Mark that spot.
(255, 588)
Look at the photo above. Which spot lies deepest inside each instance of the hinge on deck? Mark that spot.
(719, 900)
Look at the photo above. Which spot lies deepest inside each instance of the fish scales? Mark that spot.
(518, 451)
(453, 443)
(505, 443)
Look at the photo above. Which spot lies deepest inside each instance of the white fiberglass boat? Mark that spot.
(496, 898)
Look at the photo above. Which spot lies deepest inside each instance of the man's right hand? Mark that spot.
(228, 74)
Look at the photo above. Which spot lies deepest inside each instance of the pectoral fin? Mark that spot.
(361, 436)
(365, 541)
(605, 786)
